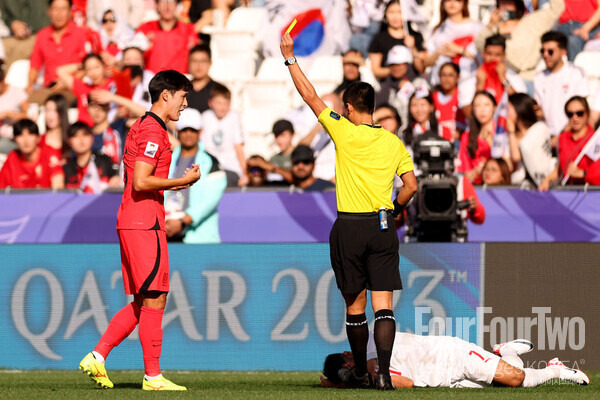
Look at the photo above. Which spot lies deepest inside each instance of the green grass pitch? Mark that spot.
(67, 385)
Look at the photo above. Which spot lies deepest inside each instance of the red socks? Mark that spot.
(150, 331)
(120, 326)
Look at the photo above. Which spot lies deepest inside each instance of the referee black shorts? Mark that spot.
(362, 255)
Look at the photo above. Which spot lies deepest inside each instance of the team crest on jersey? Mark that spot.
(334, 115)
(151, 149)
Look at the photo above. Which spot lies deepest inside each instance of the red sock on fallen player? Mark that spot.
(150, 330)
(120, 326)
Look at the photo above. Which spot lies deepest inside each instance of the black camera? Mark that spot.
(435, 214)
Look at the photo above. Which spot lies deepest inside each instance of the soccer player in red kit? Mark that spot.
(142, 236)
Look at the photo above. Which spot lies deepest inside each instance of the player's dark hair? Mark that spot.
(25, 124)
(519, 8)
(170, 80)
(201, 48)
(496, 40)
(452, 65)
(90, 56)
(475, 126)
(52, 1)
(580, 99)
(525, 108)
(555, 36)
(220, 90)
(408, 135)
(361, 96)
(333, 363)
(79, 126)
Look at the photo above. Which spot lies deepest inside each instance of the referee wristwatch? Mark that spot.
(290, 61)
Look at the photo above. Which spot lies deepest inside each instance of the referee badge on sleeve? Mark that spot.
(334, 115)
(151, 149)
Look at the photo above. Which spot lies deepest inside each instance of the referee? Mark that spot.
(363, 241)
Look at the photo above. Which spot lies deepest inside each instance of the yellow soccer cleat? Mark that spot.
(161, 383)
(96, 371)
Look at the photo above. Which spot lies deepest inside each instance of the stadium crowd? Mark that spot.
(500, 82)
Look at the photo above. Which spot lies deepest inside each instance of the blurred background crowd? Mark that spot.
(512, 84)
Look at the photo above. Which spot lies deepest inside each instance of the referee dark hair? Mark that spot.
(363, 242)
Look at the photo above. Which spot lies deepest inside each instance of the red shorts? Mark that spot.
(144, 260)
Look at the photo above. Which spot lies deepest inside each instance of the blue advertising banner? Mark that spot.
(231, 307)
(512, 215)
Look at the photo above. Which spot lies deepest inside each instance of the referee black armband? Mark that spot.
(398, 208)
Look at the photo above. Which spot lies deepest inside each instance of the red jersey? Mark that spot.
(72, 48)
(82, 90)
(449, 115)
(147, 141)
(168, 49)
(20, 174)
(569, 149)
(467, 163)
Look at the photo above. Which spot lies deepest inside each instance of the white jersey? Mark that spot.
(220, 136)
(464, 35)
(439, 361)
(552, 90)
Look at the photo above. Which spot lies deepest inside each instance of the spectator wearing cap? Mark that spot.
(397, 88)
(303, 164)
(355, 69)
(191, 214)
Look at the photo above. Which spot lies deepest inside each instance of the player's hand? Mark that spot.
(192, 175)
(326, 383)
(287, 46)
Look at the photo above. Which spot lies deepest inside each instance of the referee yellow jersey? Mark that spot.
(366, 159)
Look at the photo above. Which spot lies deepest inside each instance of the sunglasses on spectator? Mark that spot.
(579, 113)
(305, 162)
(111, 19)
(549, 51)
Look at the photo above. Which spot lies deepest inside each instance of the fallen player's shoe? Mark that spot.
(569, 374)
(519, 346)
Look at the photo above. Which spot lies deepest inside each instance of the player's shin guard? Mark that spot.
(385, 332)
(120, 326)
(150, 330)
(357, 330)
(536, 377)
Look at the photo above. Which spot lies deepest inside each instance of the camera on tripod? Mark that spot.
(435, 214)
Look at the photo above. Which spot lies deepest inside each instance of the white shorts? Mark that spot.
(478, 365)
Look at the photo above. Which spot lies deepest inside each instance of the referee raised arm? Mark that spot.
(363, 242)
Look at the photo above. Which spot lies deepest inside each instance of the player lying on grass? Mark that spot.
(443, 361)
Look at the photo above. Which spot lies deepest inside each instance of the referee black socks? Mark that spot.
(357, 330)
(385, 332)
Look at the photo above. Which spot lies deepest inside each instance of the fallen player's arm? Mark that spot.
(303, 85)
(402, 382)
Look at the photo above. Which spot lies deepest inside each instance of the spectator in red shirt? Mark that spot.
(89, 171)
(57, 123)
(61, 43)
(94, 78)
(169, 39)
(571, 143)
(31, 166)
(476, 142)
(579, 21)
(496, 172)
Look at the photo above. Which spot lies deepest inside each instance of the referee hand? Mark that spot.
(287, 46)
